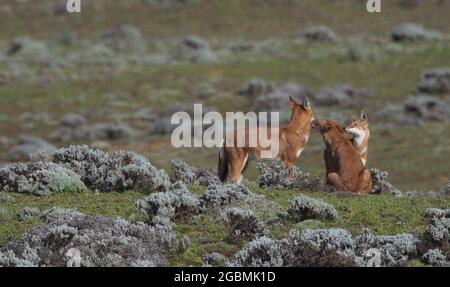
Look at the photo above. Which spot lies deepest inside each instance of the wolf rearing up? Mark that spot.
(345, 170)
(292, 138)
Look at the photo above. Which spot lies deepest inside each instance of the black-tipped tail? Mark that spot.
(223, 164)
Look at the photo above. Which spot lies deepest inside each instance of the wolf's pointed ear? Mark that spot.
(293, 102)
(306, 103)
(364, 116)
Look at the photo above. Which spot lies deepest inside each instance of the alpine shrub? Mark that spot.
(380, 183)
(321, 247)
(172, 204)
(303, 207)
(214, 259)
(220, 195)
(118, 171)
(435, 81)
(276, 176)
(191, 175)
(27, 213)
(436, 258)
(39, 178)
(243, 224)
(70, 238)
(261, 252)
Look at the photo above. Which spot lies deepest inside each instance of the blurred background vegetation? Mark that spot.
(111, 75)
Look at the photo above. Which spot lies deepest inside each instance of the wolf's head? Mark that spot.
(358, 127)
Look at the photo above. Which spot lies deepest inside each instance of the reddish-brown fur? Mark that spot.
(345, 170)
(359, 128)
(292, 139)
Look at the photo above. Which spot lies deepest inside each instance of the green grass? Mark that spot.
(252, 19)
(108, 204)
(383, 214)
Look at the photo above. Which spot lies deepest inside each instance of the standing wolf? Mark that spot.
(292, 138)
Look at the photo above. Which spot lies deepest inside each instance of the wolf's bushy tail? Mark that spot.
(223, 164)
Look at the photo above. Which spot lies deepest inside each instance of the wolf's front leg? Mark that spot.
(288, 164)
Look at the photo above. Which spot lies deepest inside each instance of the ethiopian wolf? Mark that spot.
(290, 140)
(345, 170)
(359, 128)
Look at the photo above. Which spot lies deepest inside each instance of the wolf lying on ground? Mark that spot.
(345, 170)
(292, 138)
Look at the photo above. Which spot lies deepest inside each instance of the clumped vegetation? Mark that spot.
(214, 259)
(413, 32)
(27, 213)
(328, 247)
(220, 195)
(69, 237)
(117, 171)
(276, 176)
(243, 224)
(261, 252)
(437, 233)
(380, 183)
(177, 202)
(40, 178)
(303, 207)
(321, 34)
(191, 175)
(435, 81)
(436, 258)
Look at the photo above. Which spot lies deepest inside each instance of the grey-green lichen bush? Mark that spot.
(221, 195)
(438, 230)
(69, 238)
(27, 213)
(321, 247)
(303, 207)
(436, 258)
(214, 259)
(413, 32)
(261, 252)
(118, 171)
(39, 178)
(191, 175)
(321, 34)
(380, 183)
(328, 247)
(435, 81)
(176, 203)
(243, 224)
(276, 176)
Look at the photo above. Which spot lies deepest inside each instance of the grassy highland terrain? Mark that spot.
(67, 65)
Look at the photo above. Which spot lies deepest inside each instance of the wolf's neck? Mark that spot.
(361, 138)
(299, 125)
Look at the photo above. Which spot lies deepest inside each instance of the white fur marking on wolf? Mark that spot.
(299, 152)
(359, 134)
(245, 162)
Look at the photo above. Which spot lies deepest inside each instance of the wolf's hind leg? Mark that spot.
(365, 180)
(335, 180)
(237, 165)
